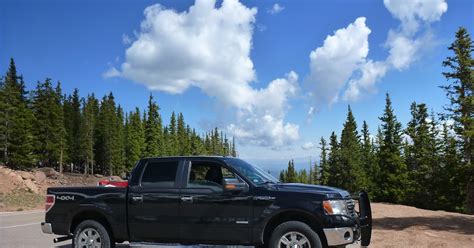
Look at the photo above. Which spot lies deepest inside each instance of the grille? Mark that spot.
(351, 207)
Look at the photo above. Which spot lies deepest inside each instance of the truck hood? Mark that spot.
(331, 192)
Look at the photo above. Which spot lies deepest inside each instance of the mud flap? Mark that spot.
(365, 218)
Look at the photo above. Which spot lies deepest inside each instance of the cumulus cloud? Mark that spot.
(261, 121)
(276, 8)
(308, 146)
(333, 64)
(370, 73)
(413, 13)
(405, 42)
(342, 67)
(208, 47)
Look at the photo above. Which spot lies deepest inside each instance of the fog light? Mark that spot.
(347, 235)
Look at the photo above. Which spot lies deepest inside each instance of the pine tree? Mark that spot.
(16, 120)
(291, 176)
(197, 146)
(73, 119)
(450, 190)
(369, 161)
(353, 177)
(233, 152)
(173, 136)
(48, 128)
(68, 126)
(302, 176)
(182, 139)
(135, 139)
(118, 153)
(153, 130)
(324, 165)
(282, 176)
(57, 118)
(88, 126)
(107, 145)
(419, 158)
(335, 167)
(392, 167)
(459, 91)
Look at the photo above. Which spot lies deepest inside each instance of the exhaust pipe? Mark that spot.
(61, 239)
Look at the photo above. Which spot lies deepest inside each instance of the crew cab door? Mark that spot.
(153, 210)
(208, 213)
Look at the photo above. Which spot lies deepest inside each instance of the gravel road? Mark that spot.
(23, 230)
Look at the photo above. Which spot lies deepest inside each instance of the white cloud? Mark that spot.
(276, 8)
(405, 42)
(209, 48)
(342, 63)
(413, 13)
(308, 146)
(126, 40)
(333, 64)
(311, 110)
(261, 120)
(370, 72)
(111, 72)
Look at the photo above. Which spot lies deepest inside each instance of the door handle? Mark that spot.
(187, 199)
(137, 199)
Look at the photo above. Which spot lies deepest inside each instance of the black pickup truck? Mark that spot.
(207, 200)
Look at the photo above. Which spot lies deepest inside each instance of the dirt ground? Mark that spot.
(404, 226)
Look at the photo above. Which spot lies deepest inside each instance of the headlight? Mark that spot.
(335, 207)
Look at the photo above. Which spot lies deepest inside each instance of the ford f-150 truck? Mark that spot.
(207, 200)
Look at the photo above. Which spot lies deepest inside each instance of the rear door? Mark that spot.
(208, 213)
(153, 212)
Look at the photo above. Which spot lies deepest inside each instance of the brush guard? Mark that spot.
(365, 218)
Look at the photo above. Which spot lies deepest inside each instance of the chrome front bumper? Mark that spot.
(339, 236)
(46, 228)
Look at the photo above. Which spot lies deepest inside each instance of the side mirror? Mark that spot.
(234, 185)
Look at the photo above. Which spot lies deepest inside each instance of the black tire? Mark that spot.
(105, 238)
(294, 226)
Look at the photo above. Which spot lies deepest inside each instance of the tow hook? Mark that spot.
(61, 239)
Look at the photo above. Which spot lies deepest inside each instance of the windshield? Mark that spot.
(252, 172)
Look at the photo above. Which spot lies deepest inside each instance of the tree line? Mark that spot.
(45, 127)
(427, 164)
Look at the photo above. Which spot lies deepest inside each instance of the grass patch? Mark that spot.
(20, 199)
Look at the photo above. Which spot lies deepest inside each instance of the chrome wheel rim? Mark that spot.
(89, 238)
(294, 240)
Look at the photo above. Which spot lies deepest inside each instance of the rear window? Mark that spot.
(160, 174)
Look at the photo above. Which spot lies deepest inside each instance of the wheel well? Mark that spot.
(90, 215)
(294, 215)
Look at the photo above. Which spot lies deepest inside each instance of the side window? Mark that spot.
(208, 175)
(160, 174)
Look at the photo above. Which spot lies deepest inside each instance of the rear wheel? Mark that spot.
(294, 234)
(92, 234)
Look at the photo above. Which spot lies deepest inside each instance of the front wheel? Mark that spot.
(91, 233)
(294, 234)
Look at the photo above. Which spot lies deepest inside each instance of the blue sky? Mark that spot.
(245, 67)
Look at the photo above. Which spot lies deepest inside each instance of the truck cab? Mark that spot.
(208, 200)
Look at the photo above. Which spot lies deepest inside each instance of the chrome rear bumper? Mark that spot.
(46, 228)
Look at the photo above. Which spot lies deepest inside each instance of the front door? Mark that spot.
(153, 211)
(208, 214)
